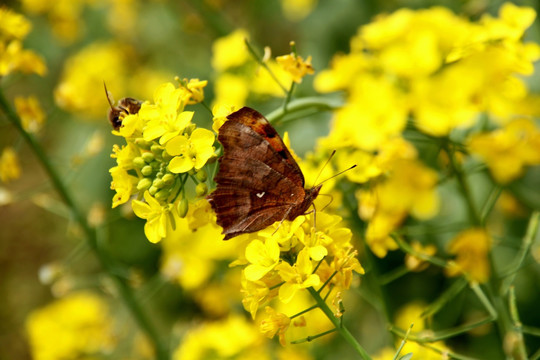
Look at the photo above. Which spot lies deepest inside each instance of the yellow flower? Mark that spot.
(414, 263)
(231, 338)
(275, 323)
(70, 328)
(82, 78)
(220, 112)
(230, 51)
(190, 153)
(162, 118)
(14, 58)
(231, 90)
(263, 83)
(409, 188)
(123, 184)
(263, 257)
(31, 114)
(295, 66)
(193, 90)
(9, 165)
(296, 10)
(471, 248)
(64, 16)
(296, 277)
(508, 150)
(13, 25)
(156, 215)
(190, 257)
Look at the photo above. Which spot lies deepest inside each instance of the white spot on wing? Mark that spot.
(260, 195)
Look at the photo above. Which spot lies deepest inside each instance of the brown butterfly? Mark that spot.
(258, 182)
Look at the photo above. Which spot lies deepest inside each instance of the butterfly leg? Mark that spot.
(314, 211)
(282, 220)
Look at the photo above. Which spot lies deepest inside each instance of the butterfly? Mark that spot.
(258, 182)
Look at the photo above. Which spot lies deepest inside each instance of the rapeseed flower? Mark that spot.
(30, 112)
(68, 328)
(9, 165)
(13, 57)
(508, 150)
(471, 248)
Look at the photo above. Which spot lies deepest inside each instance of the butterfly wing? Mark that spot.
(258, 182)
(247, 121)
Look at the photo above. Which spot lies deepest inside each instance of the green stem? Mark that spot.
(264, 65)
(519, 350)
(289, 96)
(464, 186)
(107, 263)
(345, 333)
(322, 104)
(526, 244)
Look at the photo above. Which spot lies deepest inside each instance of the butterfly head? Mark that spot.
(312, 193)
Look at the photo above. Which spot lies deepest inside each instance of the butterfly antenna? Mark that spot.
(339, 173)
(326, 163)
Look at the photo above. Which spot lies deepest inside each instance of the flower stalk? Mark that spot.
(124, 290)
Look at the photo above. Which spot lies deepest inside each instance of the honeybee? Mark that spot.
(126, 106)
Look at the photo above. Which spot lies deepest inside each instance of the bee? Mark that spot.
(126, 106)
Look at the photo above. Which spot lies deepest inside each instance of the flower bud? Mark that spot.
(183, 207)
(144, 184)
(162, 194)
(201, 175)
(201, 189)
(143, 144)
(138, 162)
(148, 157)
(147, 170)
(168, 179)
(156, 149)
(166, 156)
(158, 183)
(153, 190)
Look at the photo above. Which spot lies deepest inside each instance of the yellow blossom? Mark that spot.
(165, 119)
(296, 10)
(414, 263)
(230, 51)
(13, 25)
(156, 216)
(231, 90)
(71, 327)
(9, 165)
(190, 153)
(123, 184)
(83, 76)
(296, 277)
(30, 112)
(14, 58)
(275, 323)
(471, 248)
(262, 257)
(190, 255)
(231, 338)
(220, 112)
(193, 90)
(295, 66)
(508, 150)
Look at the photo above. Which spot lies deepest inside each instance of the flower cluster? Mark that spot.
(240, 75)
(13, 57)
(164, 148)
(311, 252)
(74, 326)
(409, 67)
